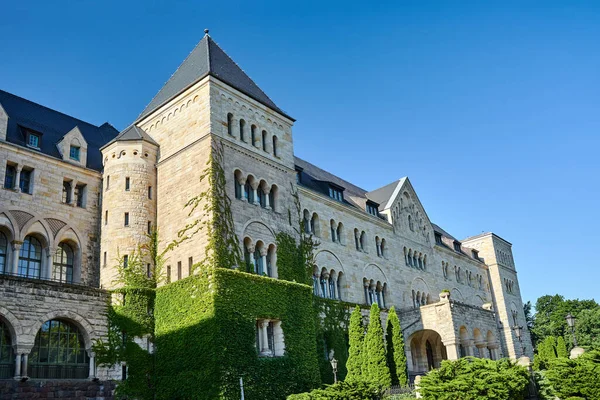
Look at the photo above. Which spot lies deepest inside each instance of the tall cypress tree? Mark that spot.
(561, 348)
(375, 369)
(356, 338)
(396, 357)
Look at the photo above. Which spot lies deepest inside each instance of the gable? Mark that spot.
(408, 215)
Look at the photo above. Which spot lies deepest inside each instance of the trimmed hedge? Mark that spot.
(342, 391)
(206, 333)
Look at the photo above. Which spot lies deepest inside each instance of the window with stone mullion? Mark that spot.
(30, 258)
(3, 252)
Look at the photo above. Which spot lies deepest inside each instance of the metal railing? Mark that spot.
(40, 279)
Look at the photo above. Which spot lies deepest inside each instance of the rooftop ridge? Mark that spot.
(52, 109)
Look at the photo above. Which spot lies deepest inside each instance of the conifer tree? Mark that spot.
(561, 348)
(356, 338)
(375, 369)
(549, 348)
(396, 357)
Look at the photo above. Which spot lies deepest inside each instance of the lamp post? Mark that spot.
(518, 332)
(334, 365)
(571, 322)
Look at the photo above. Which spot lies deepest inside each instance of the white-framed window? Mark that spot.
(269, 338)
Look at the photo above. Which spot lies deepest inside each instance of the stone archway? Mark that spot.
(426, 351)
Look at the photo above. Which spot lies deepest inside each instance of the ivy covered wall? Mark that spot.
(206, 333)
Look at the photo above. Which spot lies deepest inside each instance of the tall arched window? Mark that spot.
(230, 124)
(275, 146)
(264, 140)
(59, 352)
(258, 262)
(30, 258)
(3, 252)
(7, 358)
(253, 134)
(63, 263)
(248, 192)
(242, 130)
(324, 281)
(356, 239)
(363, 239)
(332, 286)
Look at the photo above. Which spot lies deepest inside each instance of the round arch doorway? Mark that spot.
(427, 351)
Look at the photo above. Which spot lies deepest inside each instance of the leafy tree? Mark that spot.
(470, 378)
(375, 369)
(587, 329)
(396, 357)
(576, 378)
(561, 348)
(356, 335)
(550, 313)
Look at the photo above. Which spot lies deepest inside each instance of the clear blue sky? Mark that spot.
(491, 108)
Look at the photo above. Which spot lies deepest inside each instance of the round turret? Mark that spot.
(128, 203)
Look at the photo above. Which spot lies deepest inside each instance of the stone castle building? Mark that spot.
(76, 197)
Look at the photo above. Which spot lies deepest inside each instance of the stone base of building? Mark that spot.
(73, 390)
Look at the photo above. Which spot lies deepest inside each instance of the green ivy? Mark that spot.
(206, 330)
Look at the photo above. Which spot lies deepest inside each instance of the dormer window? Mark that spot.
(457, 246)
(372, 209)
(74, 153)
(475, 254)
(33, 139)
(438, 238)
(336, 193)
(298, 175)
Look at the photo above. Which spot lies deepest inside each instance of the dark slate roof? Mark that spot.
(208, 58)
(382, 195)
(318, 180)
(448, 241)
(132, 132)
(53, 125)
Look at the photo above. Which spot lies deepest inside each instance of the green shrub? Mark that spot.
(356, 343)
(475, 379)
(342, 391)
(375, 369)
(576, 378)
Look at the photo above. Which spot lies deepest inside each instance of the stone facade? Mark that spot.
(453, 297)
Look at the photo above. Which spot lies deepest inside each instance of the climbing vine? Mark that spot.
(216, 219)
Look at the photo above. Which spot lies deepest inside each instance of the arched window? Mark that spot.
(275, 146)
(258, 261)
(7, 358)
(314, 225)
(324, 281)
(383, 248)
(410, 223)
(59, 352)
(273, 197)
(63, 263)
(340, 233)
(3, 252)
(420, 263)
(363, 239)
(261, 197)
(230, 124)
(30, 258)
(271, 261)
(333, 230)
(356, 239)
(316, 282)
(339, 285)
(264, 140)
(249, 192)
(239, 189)
(242, 130)
(253, 134)
(332, 285)
(410, 258)
(378, 246)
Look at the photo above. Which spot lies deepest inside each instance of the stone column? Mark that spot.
(468, 346)
(16, 251)
(242, 183)
(452, 350)
(92, 374)
(255, 193)
(72, 193)
(265, 338)
(17, 364)
(251, 252)
(17, 186)
(25, 365)
(267, 191)
(263, 256)
(46, 272)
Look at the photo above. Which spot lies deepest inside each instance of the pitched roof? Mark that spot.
(53, 125)
(382, 195)
(208, 58)
(132, 132)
